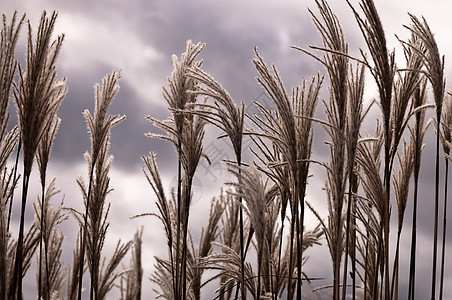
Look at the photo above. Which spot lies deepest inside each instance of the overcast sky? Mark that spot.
(138, 37)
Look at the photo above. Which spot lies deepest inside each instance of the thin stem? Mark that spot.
(184, 249)
(417, 154)
(289, 279)
(242, 252)
(40, 245)
(435, 232)
(18, 268)
(443, 254)
(395, 270)
(347, 236)
(84, 232)
(179, 184)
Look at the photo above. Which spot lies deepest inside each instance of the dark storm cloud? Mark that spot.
(128, 140)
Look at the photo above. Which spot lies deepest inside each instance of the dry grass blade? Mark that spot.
(47, 219)
(133, 276)
(228, 264)
(384, 68)
(7, 186)
(107, 275)
(73, 273)
(208, 235)
(433, 61)
(224, 113)
(402, 178)
(9, 37)
(252, 189)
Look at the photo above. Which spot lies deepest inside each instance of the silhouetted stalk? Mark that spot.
(43, 212)
(418, 135)
(347, 239)
(443, 253)
(395, 269)
(20, 245)
(176, 286)
(412, 272)
(289, 279)
(84, 230)
(435, 231)
(185, 224)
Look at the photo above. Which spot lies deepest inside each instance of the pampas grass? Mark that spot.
(434, 70)
(37, 97)
(95, 223)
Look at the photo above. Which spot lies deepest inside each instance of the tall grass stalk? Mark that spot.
(292, 132)
(42, 158)
(383, 72)
(337, 68)
(225, 115)
(446, 140)
(185, 131)
(354, 119)
(38, 96)
(434, 70)
(418, 132)
(94, 224)
(50, 276)
(8, 65)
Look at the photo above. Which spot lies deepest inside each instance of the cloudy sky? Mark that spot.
(138, 37)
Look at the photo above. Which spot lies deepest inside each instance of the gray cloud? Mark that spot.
(139, 37)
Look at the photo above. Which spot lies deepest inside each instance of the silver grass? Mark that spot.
(252, 189)
(383, 72)
(354, 119)
(228, 264)
(37, 96)
(94, 225)
(434, 70)
(30, 244)
(42, 158)
(9, 37)
(208, 235)
(51, 266)
(185, 131)
(292, 132)
(7, 186)
(230, 119)
(446, 139)
(337, 66)
(224, 113)
(401, 190)
(107, 274)
(73, 273)
(417, 133)
(133, 277)
(228, 236)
